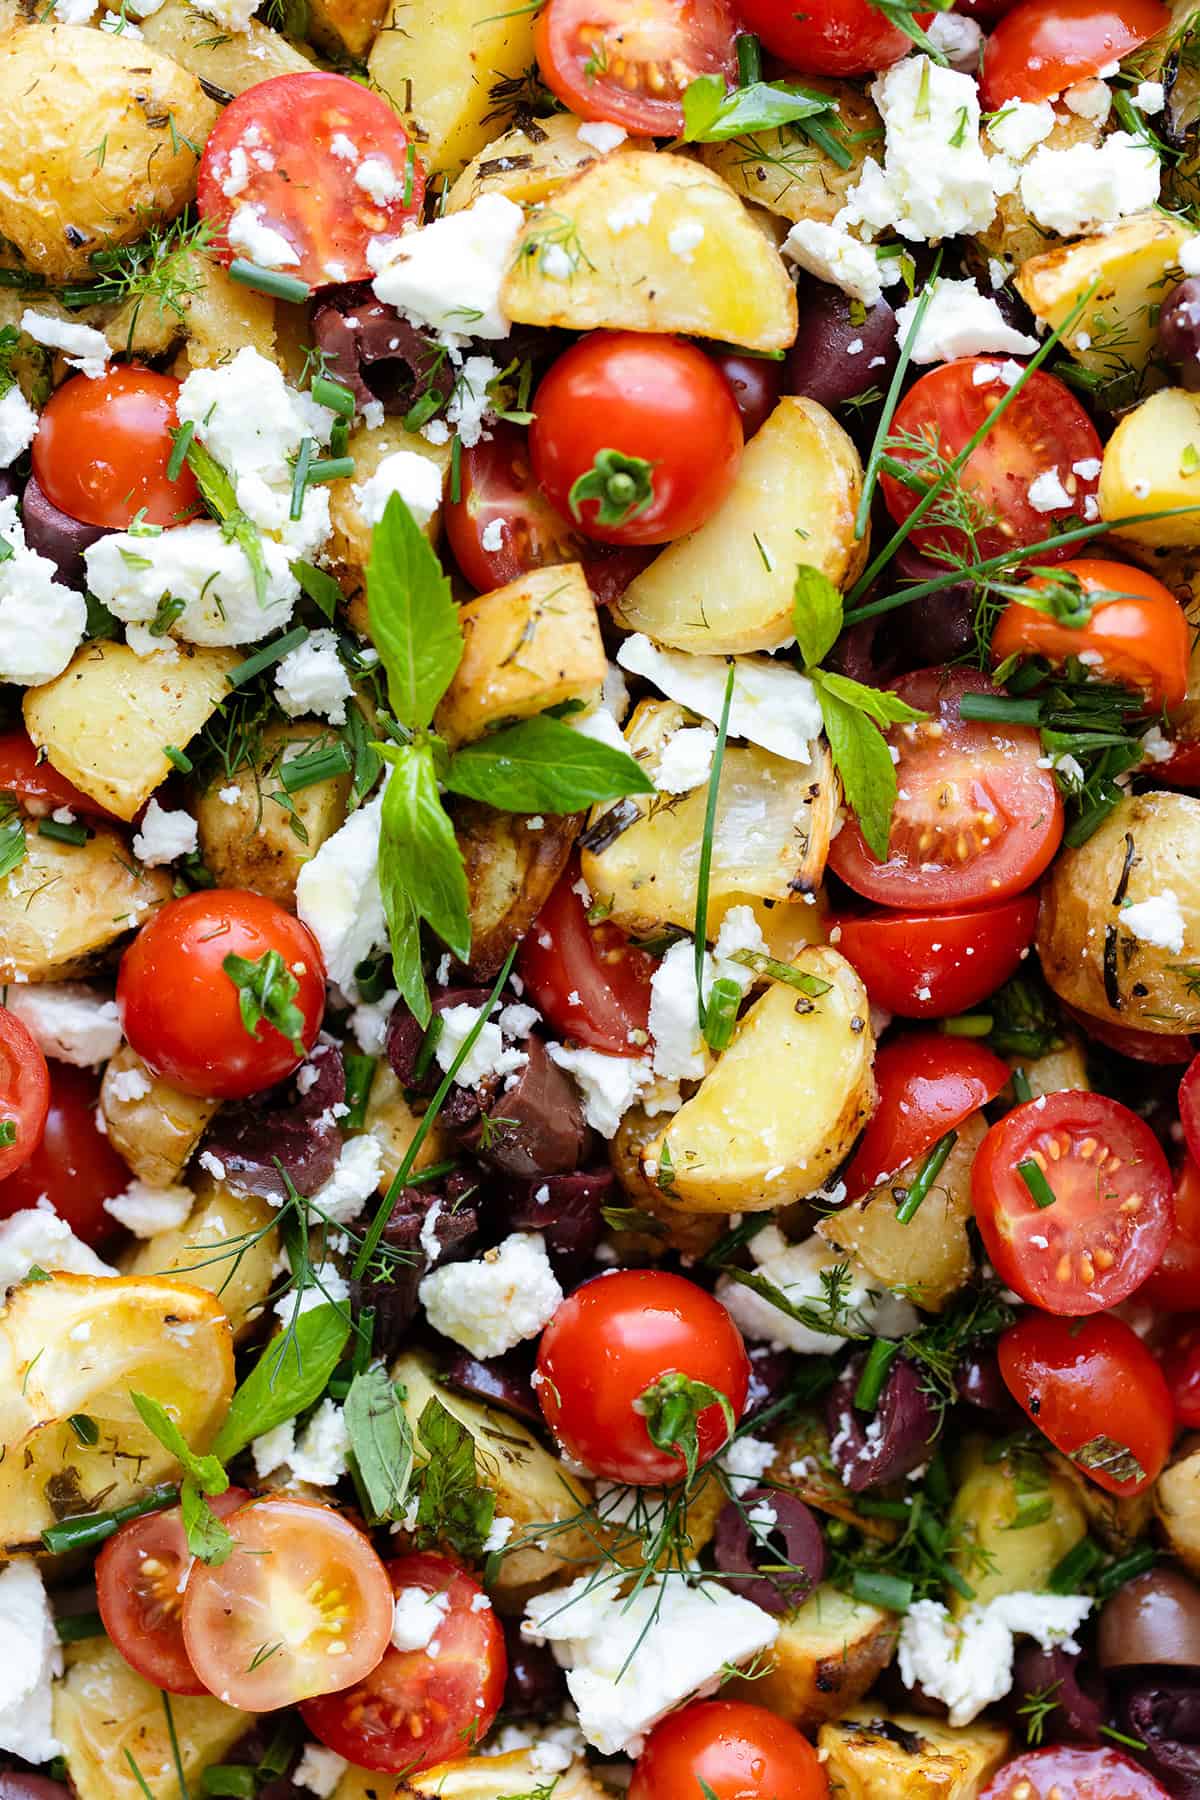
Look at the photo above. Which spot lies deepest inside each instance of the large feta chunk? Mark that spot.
(198, 565)
(1019, 126)
(1073, 190)
(416, 478)
(967, 1663)
(338, 895)
(42, 623)
(18, 423)
(354, 1180)
(495, 1302)
(70, 1021)
(487, 1055)
(30, 1657)
(608, 1085)
(147, 1210)
(449, 273)
(312, 679)
(164, 835)
(959, 321)
(85, 348)
(38, 1239)
(773, 705)
(831, 254)
(797, 1271)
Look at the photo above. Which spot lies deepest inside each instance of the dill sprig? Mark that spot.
(160, 269)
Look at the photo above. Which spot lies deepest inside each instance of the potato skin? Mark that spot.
(64, 92)
(248, 842)
(66, 904)
(156, 1132)
(511, 870)
(1088, 958)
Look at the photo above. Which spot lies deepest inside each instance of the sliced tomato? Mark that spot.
(1092, 1387)
(928, 1084)
(589, 981)
(1138, 637)
(828, 37)
(141, 1573)
(430, 1704)
(929, 965)
(1043, 46)
(74, 1166)
(1174, 1287)
(630, 61)
(976, 818)
(1183, 769)
(1067, 1773)
(1189, 1106)
(24, 1093)
(320, 161)
(36, 783)
(1090, 1217)
(1044, 429)
(501, 525)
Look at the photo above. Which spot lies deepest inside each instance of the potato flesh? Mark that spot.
(253, 841)
(232, 60)
(789, 175)
(828, 1653)
(528, 163)
(155, 1131)
(871, 1754)
(227, 1245)
(65, 905)
(1147, 468)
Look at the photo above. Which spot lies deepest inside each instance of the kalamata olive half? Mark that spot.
(536, 1686)
(833, 358)
(767, 1529)
(500, 1381)
(1164, 1716)
(1179, 331)
(1153, 1619)
(566, 1210)
(14, 1785)
(771, 1373)
(756, 381)
(56, 534)
(868, 1451)
(1080, 1701)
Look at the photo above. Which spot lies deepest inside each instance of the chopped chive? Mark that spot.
(1075, 1568)
(178, 759)
(410, 157)
(332, 394)
(229, 1781)
(900, 1510)
(1040, 1191)
(1021, 1087)
(429, 1044)
(720, 1013)
(360, 1076)
(749, 59)
(270, 653)
(880, 1357)
(330, 468)
(179, 450)
(968, 1025)
(925, 1177)
(1000, 709)
(62, 833)
(300, 476)
(321, 764)
(1119, 1737)
(456, 470)
(434, 1172)
(78, 1626)
(875, 458)
(876, 1589)
(812, 985)
(706, 842)
(86, 1530)
(85, 1428)
(268, 281)
(959, 1583)
(1138, 1562)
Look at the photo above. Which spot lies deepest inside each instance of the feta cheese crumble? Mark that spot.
(833, 255)
(487, 1055)
(685, 760)
(42, 622)
(30, 1658)
(319, 1770)
(68, 1020)
(18, 424)
(147, 1210)
(36, 1238)
(796, 1270)
(1018, 126)
(448, 274)
(416, 478)
(311, 679)
(338, 895)
(959, 321)
(1157, 920)
(417, 1617)
(968, 1663)
(773, 705)
(164, 836)
(497, 1301)
(85, 348)
(1071, 191)
(354, 1179)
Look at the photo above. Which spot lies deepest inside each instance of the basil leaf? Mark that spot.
(816, 614)
(413, 619)
(320, 587)
(220, 496)
(267, 990)
(206, 1537)
(289, 1376)
(864, 763)
(711, 115)
(421, 873)
(380, 1442)
(453, 1507)
(541, 765)
(879, 704)
(13, 848)
(205, 1471)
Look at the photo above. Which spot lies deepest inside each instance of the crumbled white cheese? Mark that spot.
(329, 1287)
(685, 760)
(319, 1770)
(1157, 920)
(369, 1023)
(338, 895)
(30, 1657)
(69, 1021)
(495, 1302)
(967, 1663)
(248, 231)
(959, 39)
(608, 1085)
(599, 135)
(1070, 191)
(130, 1084)
(417, 1617)
(492, 535)
(635, 211)
(163, 836)
(1149, 97)
(319, 1453)
(416, 478)
(959, 321)
(745, 1461)
(42, 623)
(195, 564)
(84, 347)
(834, 255)
(18, 424)
(684, 239)
(470, 403)
(1046, 493)
(376, 177)
(773, 705)
(796, 1270)
(272, 1449)
(354, 1180)
(487, 1055)
(1019, 125)
(449, 273)
(311, 679)
(147, 1210)
(1089, 99)
(233, 15)
(37, 1239)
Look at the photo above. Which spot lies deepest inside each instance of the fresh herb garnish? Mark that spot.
(267, 990)
(380, 1444)
(206, 1537)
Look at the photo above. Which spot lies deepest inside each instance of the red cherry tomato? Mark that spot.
(730, 1751)
(1142, 639)
(1181, 1366)
(74, 1165)
(421, 1707)
(274, 145)
(756, 384)
(632, 64)
(1174, 1287)
(141, 1573)
(180, 1009)
(614, 1338)
(1143, 1046)
(1044, 428)
(927, 1085)
(984, 12)
(587, 980)
(1183, 769)
(24, 1093)
(929, 965)
(1110, 1216)
(1189, 1106)
(1043, 46)
(258, 1628)
(102, 449)
(1095, 1391)
(976, 819)
(37, 784)
(652, 399)
(831, 37)
(1066, 1773)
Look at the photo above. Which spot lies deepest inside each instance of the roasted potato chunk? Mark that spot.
(828, 1653)
(472, 1778)
(350, 543)
(511, 868)
(229, 60)
(1120, 1521)
(215, 314)
(64, 905)
(996, 1548)
(256, 841)
(529, 162)
(870, 1754)
(226, 1245)
(1177, 1503)
(1148, 468)
(654, 1226)
(392, 1121)
(1013, 235)
(792, 176)
(157, 1128)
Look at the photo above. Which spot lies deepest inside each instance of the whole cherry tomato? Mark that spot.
(1181, 1366)
(927, 1085)
(24, 1093)
(1043, 46)
(830, 37)
(727, 1750)
(74, 1165)
(102, 449)
(1174, 1287)
(588, 980)
(1067, 1773)
(633, 65)
(929, 965)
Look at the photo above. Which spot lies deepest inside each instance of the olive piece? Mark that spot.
(757, 382)
(1153, 1619)
(1179, 331)
(835, 358)
(771, 1547)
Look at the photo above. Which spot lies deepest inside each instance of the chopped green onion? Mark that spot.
(178, 759)
(749, 59)
(900, 1510)
(229, 1781)
(330, 468)
(320, 764)
(268, 281)
(85, 1428)
(332, 394)
(429, 1044)
(874, 1588)
(62, 832)
(87, 1530)
(270, 653)
(720, 1013)
(880, 1357)
(875, 457)
(968, 1025)
(1021, 1087)
(1138, 1562)
(300, 476)
(77, 1626)
(360, 1076)
(706, 841)
(1040, 1191)
(179, 450)
(1073, 1570)
(812, 985)
(959, 1583)
(456, 469)
(1000, 709)
(925, 1177)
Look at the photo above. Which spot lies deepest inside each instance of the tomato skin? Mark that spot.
(832, 37)
(1181, 1366)
(562, 955)
(1127, 1040)
(1142, 638)
(1080, 1379)
(308, 193)
(729, 1749)
(496, 483)
(102, 449)
(1086, 1252)
(930, 965)
(1174, 1287)
(74, 1163)
(414, 1710)
(993, 842)
(37, 784)
(180, 1010)
(1068, 1773)
(142, 1610)
(648, 397)
(612, 1339)
(577, 42)
(928, 1084)
(24, 1091)
(1044, 427)
(1189, 1106)
(1043, 46)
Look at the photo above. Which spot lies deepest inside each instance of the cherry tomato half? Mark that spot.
(180, 1009)
(1092, 1387)
(587, 980)
(36, 783)
(1174, 1287)
(606, 59)
(927, 1085)
(318, 160)
(429, 1705)
(74, 1164)
(827, 37)
(102, 449)
(730, 1751)
(24, 1093)
(1067, 1773)
(1091, 1216)
(303, 1606)
(976, 819)
(614, 1338)
(651, 400)
(1189, 1106)
(1043, 46)
(141, 1573)
(929, 965)
(1181, 1366)
(1043, 429)
(1141, 638)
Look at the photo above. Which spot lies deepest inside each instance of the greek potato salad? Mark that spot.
(599, 900)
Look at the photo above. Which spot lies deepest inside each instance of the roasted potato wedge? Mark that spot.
(157, 1128)
(473, 1778)
(792, 176)
(256, 842)
(793, 501)
(994, 1548)
(529, 162)
(227, 1245)
(614, 224)
(1060, 1071)
(1148, 468)
(1120, 1521)
(827, 1654)
(104, 721)
(231, 61)
(216, 315)
(350, 543)
(782, 1106)
(341, 27)
(870, 1754)
(511, 869)
(654, 1226)
(64, 905)
(1177, 1503)
(392, 1121)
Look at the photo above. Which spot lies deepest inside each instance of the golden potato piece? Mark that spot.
(98, 133)
(529, 162)
(502, 1777)
(788, 173)
(226, 1245)
(1120, 1521)
(215, 314)
(350, 544)
(105, 721)
(391, 1120)
(656, 1226)
(511, 868)
(156, 1129)
(728, 587)
(1148, 468)
(229, 61)
(995, 1547)
(1177, 1503)
(614, 224)
(65, 904)
(254, 841)
(828, 1653)
(870, 1754)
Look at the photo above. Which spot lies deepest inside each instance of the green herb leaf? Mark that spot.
(267, 992)
(816, 615)
(879, 704)
(421, 873)
(205, 1471)
(206, 1537)
(320, 587)
(13, 848)
(380, 1442)
(710, 115)
(864, 764)
(413, 619)
(453, 1507)
(220, 497)
(1105, 1454)
(542, 765)
(290, 1375)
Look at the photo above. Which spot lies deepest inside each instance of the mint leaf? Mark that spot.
(702, 103)
(290, 1375)
(220, 496)
(816, 614)
(542, 765)
(320, 587)
(421, 873)
(414, 622)
(267, 992)
(879, 704)
(454, 1508)
(205, 1471)
(863, 761)
(380, 1443)
(711, 116)
(206, 1537)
